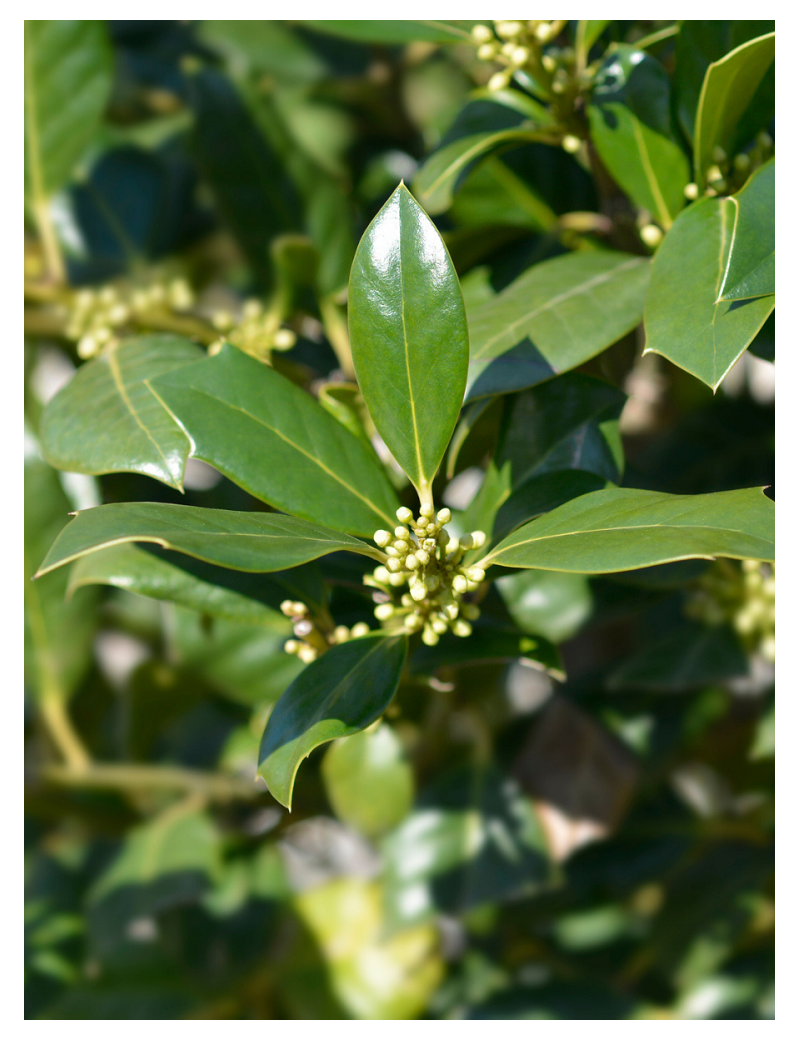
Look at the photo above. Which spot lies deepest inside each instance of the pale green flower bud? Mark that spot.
(360, 629)
(381, 574)
(465, 541)
(429, 637)
(411, 562)
(508, 30)
(413, 622)
(391, 551)
(404, 515)
(426, 511)
(569, 142)
(444, 516)
(284, 339)
(341, 634)
(460, 583)
(423, 557)
(741, 162)
(307, 653)
(499, 81)
(462, 628)
(482, 33)
(651, 235)
(418, 592)
(549, 63)
(439, 626)
(478, 539)
(291, 646)
(394, 565)
(519, 56)
(382, 538)
(476, 574)
(396, 580)
(450, 610)
(431, 582)
(691, 191)
(384, 611)
(401, 532)
(487, 51)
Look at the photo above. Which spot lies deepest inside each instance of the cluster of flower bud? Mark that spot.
(256, 331)
(727, 174)
(744, 598)
(311, 641)
(423, 556)
(513, 44)
(96, 316)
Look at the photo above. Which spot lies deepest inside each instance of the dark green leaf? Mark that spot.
(554, 317)
(691, 656)
(490, 642)
(108, 420)
(587, 33)
(684, 318)
(126, 567)
(265, 46)
(728, 89)
(275, 440)
(751, 262)
(630, 125)
(408, 331)
(337, 695)
(244, 541)
(68, 75)
(396, 32)
(368, 780)
(547, 491)
(622, 528)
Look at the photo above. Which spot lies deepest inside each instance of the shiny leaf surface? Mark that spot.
(728, 89)
(622, 528)
(751, 263)
(244, 541)
(408, 332)
(337, 695)
(278, 443)
(554, 317)
(107, 420)
(684, 319)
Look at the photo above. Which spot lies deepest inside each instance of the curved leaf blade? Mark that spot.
(68, 76)
(728, 88)
(751, 265)
(126, 567)
(619, 529)
(408, 331)
(340, 693)
(107, 420)
(395, 32)
(554, 317)
(258, 542)
(274, 440)
(684, 319)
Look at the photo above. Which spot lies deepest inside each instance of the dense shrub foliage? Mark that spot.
(409, 651)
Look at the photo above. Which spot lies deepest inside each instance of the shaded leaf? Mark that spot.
(684, 318)
(108, 420)
(490, 642)
(277, 442)
(244, 541)
(395, 31)
(265, 46)
(126, 567)
(408, 332)
(337, 695)
(751, 262)
(554, 317)
(688, 657)
(728, 89)
(68, 75)
(368, 780)
(622, 528)
(629, 117)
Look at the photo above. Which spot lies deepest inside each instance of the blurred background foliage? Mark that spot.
(592, 841)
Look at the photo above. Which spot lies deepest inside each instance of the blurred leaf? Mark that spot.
(126, 567)
(408, 332)
(58, 634)
(587, 33)
(691, 656)
(254, 196)
(573, 999)
(265, 46)
(472, 838)
(554, 317)
(373, 976)
(244, 541)
(728, 89)
(273, 439)
(337, 695)
(110, 393)
(581, 778)
(629, 119)
(368, 781)
(548, 603)
(391, 32)
(621, 528)
(68, 75)
(764, 739)
(685, 320)
(751, 262)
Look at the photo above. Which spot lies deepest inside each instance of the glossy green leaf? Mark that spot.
(244, 541)
(548, 491)
(690, 656)
(728, 89)
(277, 442)
(181, 840)
(107, 420)
(751, 262)
(684, 319)
(68, 76)
(368, 780)
(126, 567)
(391, 32)
(345, 403)
(472, 838)
(622, 528)
(554, 317)
(337, 695)
(58, 634)
(408, 332)
(587, 33)
(629, 117)
(491, 642)
(438, 179)
(547, 603)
